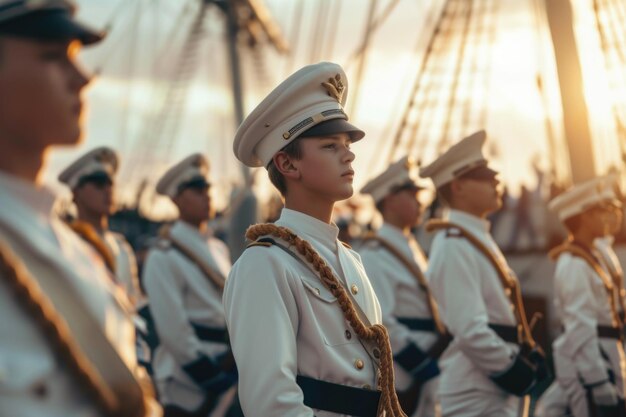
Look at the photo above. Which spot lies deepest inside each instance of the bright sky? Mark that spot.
(127, 101)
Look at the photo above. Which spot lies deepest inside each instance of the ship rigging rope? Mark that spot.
(161, 125)
(614, 70)
(418, 80)
(137, 155)
(452, 98)
(294, 37)
(427, 98)
(376, 24)
(318, 31)
(358, 80)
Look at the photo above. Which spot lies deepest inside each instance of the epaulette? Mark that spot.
(265, 242)
(453, 232)
(163, 244)
(345, 244)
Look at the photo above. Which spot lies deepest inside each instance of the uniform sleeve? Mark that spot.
(262, 318)
(573, 286)
(454, 275)
(380, 275)
(165, 288)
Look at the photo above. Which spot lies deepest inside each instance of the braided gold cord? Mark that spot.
(55, 330)
(388, 400)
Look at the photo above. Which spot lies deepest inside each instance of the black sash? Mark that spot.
(340, 399)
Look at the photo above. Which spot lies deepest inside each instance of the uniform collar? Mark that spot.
(38, 198)
(309, 227)
(469, 221)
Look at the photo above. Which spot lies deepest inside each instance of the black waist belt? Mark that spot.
(505, 332)
(425, 325)
(210, 334)
(609, 332)
(340, 399)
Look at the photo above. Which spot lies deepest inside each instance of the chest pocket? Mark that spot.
(332, 325)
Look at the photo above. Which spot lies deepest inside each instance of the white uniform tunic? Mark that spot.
(32, 381)
(180, 294)
(125, 265)
(283, 322)
(471, 296)
(580, 356)
(400, 296)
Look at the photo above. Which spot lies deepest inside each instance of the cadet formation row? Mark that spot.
(301, 324)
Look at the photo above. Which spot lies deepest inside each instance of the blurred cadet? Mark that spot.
(92, 180)
(493, 358)
(304, 322)
(589, 354)
(615, 217)
(396, 265)
(67, 338)
(184, 276)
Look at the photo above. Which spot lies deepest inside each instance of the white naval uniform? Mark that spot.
(179, 294)
(554, 402)
(471, 296)
(580, 357)
(125, 264)
(609, 258)
(400, 296)
(32, 381)
(283, 322)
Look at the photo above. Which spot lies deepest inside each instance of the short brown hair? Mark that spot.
(444, 193)
(572, 224)
(293, 150)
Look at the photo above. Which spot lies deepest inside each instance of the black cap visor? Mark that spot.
(51, 25)
(196, 182)
(333, 127)
(98, 178)
(481, 173)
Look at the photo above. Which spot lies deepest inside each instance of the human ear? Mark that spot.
(284, 164)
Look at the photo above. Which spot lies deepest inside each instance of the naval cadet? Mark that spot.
(304, 322)
(67, 338)
(184, 276)
(589, 354)
(493, 358)
(604, 244)
(92, 181)
(396, 266)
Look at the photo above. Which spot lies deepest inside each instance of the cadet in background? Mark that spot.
(184, 276)
(91, 178)
(396, 266)
(67, 338)
(493, 358)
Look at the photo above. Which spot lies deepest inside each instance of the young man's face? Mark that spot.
(614, 218)
(95, 197)
(194, 204)
(41, 86)
(406, 206)
(481, 196)
(594, 221)
(325, 167)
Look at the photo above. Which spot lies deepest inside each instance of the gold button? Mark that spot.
(348, 335)
(367, 386)
(354, 289)
(376, 353)
(358, 364)
(507, 291)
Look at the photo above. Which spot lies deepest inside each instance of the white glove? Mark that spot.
(604, 394)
